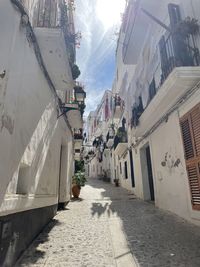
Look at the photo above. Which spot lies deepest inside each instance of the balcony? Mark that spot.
(78, 135)
(77, 154)
(78, 139)
(110, 139)
(179, 81)
(118, 107)
(55, 15)
(177, 50)
(180, 71)
(74, 115)
(51, 26)
(120, 142)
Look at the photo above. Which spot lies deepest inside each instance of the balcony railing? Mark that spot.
(57, 14)
(118, 101)
(121, 137)
(177, 51)
(48, 14)
(109, 136)
(78, 136)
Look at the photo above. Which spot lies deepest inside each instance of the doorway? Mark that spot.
(147, 173)
(150, 173)
(132, 168)
(63, 185)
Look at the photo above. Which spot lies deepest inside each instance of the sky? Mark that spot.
(99, 22)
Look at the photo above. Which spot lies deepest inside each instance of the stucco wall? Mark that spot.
(168, 164)
(30, 133)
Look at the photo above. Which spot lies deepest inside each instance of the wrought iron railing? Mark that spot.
(57, 14)
(48, 14)
(177, 51)
(121, 137)
(78, 134)
(109, 136)
(118, 100)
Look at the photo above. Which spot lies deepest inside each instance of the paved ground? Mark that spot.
(109, 227)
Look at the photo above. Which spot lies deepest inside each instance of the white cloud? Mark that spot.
(97, 46)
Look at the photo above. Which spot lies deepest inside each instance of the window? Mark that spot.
(152, 89)
(174, 14)
(132, 168)
(125, 170)
(23, 180)
(190, 128)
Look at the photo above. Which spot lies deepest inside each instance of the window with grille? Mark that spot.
(190, 128)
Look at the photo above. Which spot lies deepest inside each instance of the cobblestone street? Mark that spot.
(109, 227)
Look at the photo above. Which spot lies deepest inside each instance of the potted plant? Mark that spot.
(122, 135)
(116, 181)
(78, 180)
(187, 27)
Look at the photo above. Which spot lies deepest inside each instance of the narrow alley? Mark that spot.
(108, 226)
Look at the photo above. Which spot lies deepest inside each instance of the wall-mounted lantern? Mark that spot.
(79, 94)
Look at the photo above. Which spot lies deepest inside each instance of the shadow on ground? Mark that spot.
(75, 199)
(156, 238)
(33, 255)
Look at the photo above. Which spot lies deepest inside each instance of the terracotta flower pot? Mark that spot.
(76, 189)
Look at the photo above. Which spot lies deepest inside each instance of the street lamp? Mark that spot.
(79, 94)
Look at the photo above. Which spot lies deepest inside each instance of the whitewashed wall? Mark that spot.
(30, 133)
(170, 183)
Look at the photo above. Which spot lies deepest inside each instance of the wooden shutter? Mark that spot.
(190, 128)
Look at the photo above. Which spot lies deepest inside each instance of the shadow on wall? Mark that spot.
(155, 237)
(33, 254)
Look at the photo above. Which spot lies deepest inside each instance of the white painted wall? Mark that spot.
(30, 133)
(170, 183)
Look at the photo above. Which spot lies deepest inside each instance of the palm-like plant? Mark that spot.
(79, 179)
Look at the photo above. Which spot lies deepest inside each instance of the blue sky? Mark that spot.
(98, 21)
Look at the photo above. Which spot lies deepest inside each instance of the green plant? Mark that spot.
(79, 179)
(121, 133)
(187, 27)
(79, 166)
(116, 181)
(75, 71)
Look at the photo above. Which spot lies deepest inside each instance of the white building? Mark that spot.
(37, 147)
(97, 129)
(165, 97)
(157, 79)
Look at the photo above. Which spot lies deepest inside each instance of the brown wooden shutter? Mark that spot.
(190, 128)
